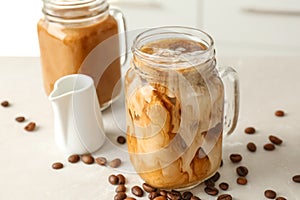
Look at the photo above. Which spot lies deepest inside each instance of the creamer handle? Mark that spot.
(232, 98)
(122, 30)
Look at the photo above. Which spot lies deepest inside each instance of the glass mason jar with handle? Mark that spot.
(69, 36)
(175, 101)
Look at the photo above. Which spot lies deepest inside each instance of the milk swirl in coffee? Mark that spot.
(174, 105)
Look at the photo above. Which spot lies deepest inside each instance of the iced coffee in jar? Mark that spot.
(81, 36)
(175, 106)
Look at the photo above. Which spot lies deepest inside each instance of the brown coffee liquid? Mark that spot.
(63, 49)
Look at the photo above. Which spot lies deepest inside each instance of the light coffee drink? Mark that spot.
(174, 108)
(68, 36)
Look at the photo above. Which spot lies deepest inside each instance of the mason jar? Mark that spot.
(81, 36)
(175, 107)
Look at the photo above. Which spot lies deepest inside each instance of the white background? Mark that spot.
(234, 30)
(18, 21)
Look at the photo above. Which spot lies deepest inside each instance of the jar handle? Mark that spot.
(232, 98)
(122, 30)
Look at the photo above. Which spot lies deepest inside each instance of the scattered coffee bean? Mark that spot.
(174, 195)
(235, 158)
(101, 161)
(115, 163)
(211, 191)
(280, 198)
(113, 179)
(152, 195)
(275, 140)
(279, 113)
(120, 196)
(148, 188)
(121, 188)
(250, 130)
(296, 178)
(130, 198)
(30, 126)
(221, 164)
(74, 158)
(225, 197)
(121, 179)
(269, 147)
(241, 181)
(195, 198)
(209, 183)
(251, 147)
(270, 194)
(57, 165)
(20, 119)
(137, 191)
(121, 139)
(87, 159)
(5, 103)
(215, 177)
(242, 171)
(187, 195)
(223, 186)
(163, 193)
(160, 198)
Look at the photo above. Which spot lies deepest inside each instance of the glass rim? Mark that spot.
(178, 30)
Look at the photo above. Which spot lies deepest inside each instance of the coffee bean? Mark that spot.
(241, 181)
(275, 140)
(211, 191)
(130, 198)
(30, 126)
(163, 193)
(221, 164)
(250, 130)
(209, 183)
(235, 158)
(160, 198)
(57, 165)
(279, 113)
(187, 195)
(101, 161)
(225, 197)
(5, 103)
(174, 195)
(251, 147)
(121, 139)
(215, 177)
(113, 179)
(296, 178)
(120, 196)
(137, 191)
(224, 186)
(152, 195)
(269, 147)
(87, 159)
(280, 198)
(74, 158)
(148, 188)
(121, 188)
(115, 163)
(20, 119)
(121, 179)
(242, 171)
(270, 194)
(195, 198)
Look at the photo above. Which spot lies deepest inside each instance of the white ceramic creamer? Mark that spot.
(78, 122)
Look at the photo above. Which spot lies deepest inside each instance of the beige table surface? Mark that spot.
(267, 84)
